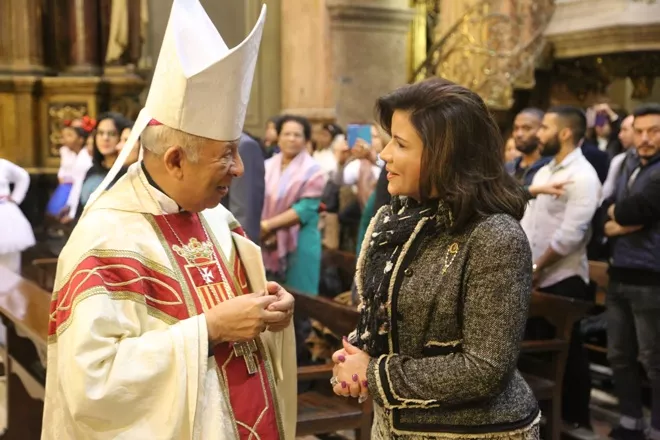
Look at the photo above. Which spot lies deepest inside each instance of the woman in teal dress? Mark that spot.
(289, 226)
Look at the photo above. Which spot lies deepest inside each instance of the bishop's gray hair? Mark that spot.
(158, 138)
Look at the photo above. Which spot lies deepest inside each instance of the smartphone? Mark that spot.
(358, 131)
(601, 119)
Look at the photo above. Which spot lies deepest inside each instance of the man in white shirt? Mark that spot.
(558, 228)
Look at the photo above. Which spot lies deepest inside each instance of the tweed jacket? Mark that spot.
(458, 304)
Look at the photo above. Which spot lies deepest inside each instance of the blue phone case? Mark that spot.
(356, 131)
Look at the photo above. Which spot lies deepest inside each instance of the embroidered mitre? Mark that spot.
(199, 86)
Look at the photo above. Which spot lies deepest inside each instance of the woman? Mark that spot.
(270, 138)
(289, 226)
(15, 231)
(444, 278)
(135, 152)
(108, 131)
(325, 140)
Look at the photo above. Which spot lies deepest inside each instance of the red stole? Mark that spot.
(199, 259)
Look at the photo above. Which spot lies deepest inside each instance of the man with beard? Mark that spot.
(633, 297)
(558, 228)
(525, 127)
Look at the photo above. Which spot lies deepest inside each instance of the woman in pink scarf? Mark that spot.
(289, 226)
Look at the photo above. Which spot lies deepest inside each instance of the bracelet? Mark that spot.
(535, 268)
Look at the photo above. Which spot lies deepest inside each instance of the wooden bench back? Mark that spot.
(340, 319)
(344, 262)
(25, 305)
(562, 313)
(598, 275)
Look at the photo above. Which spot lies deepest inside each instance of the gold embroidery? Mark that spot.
(195, 250)
(111, 253)
(178, 274)
(117, 296)
(228, 264)
(261, 350)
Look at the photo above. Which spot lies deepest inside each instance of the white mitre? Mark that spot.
(199, 86)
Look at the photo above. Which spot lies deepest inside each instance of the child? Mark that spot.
(74, 163)
(15, 231)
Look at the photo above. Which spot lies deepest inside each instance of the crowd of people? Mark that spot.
(591, 185)
(164, 305)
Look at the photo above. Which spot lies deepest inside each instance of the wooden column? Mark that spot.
(84, 56)
(369, 53)
(21, 37)
(307, 85)
(134, 51)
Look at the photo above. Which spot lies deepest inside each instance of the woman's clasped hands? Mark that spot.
(350, 372)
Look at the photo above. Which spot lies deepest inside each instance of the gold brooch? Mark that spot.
(452, 251)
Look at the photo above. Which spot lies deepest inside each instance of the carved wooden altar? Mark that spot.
(60, 59)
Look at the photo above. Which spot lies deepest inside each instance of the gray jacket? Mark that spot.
(458, 307)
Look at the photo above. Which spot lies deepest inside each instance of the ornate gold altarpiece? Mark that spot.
(490, 46)
(499, 47)
(61, 59)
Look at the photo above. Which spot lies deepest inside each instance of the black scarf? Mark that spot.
(393, 229)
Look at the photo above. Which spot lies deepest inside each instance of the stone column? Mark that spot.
(84, 57)
(306, 80)
(21, 36)
(369, 48)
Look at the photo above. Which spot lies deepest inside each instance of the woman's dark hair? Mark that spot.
(333, 129)
(304, 122)
(120, 124)
(462, 156)
(273, 119)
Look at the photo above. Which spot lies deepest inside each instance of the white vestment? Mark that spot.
(119, 365)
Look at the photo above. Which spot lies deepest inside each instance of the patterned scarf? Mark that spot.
(303, 178)
(393, 229)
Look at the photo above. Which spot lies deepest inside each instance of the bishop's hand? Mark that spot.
(285, 303)
(242, 318)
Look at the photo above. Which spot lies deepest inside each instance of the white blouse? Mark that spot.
(11, 173)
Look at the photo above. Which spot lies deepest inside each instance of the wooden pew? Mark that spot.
(44, 272)
(545, 377)
(319, 410)
(599, 276)
(24, 309)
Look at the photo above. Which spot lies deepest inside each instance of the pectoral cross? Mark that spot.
(246, 349)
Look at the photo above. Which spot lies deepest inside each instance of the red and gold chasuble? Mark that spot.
(243, 367)
(202, 279)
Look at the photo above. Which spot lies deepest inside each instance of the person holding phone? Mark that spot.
(358, 162)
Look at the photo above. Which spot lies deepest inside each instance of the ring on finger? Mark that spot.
(334, 381)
